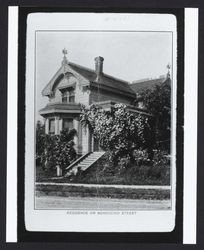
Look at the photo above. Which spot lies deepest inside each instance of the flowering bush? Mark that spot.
(119, 131)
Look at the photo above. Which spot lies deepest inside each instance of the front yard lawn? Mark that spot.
(103, 173)
(136, 175)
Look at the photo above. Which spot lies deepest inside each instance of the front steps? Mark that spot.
(86, 161)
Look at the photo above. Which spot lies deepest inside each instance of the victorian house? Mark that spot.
(73, 85)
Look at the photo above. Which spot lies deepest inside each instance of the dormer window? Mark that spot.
(68, 95)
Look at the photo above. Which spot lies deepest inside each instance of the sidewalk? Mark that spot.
(97, 203)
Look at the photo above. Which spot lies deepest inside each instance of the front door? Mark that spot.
(93, 143)
(96, 145)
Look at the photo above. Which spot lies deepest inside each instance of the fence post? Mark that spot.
(59, 171)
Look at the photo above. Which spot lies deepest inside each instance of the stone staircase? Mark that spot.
(84, 162)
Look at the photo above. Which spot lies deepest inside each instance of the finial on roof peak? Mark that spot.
(64, 61)
(168, 68)
(64, 51)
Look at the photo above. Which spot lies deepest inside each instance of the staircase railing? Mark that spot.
(78, 160)
(95, 160)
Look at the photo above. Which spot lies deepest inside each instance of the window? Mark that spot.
(64, 97)
(52, 126)
(68, 123)
(68, 95)
(71, 96)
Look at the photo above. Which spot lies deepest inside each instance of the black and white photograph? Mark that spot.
(101, 125)
(101, 120)
(103, 133)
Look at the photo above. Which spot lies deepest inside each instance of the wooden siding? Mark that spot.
(107, 96)
(80, 95)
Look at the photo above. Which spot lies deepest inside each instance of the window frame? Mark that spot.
(67, 119)
(51, 120)
(68, 94)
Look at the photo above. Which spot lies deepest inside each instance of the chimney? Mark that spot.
(99, 65)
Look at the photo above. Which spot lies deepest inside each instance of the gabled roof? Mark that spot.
(48, 88)
(106, 81)
(142, 85)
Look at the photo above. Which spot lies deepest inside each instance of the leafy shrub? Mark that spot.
(161, 158)
(58, 150)
(158, 101)
(40, 134)
(127, 173)
(124, 163)
(141, 157)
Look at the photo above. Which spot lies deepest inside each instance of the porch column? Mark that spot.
(85, 140)
(76, 139)
(60, 124)
(90, 140)
(47, 126)
(56, 125)
(80, 138)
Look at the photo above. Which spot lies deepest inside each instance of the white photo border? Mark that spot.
(40, 219)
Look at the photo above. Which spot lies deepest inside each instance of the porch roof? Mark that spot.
(66, 108)
(110, 104)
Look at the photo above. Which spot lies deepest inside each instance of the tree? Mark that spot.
(158, 102)
(118, 131)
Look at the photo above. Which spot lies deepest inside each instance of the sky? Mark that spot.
(127, 55)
